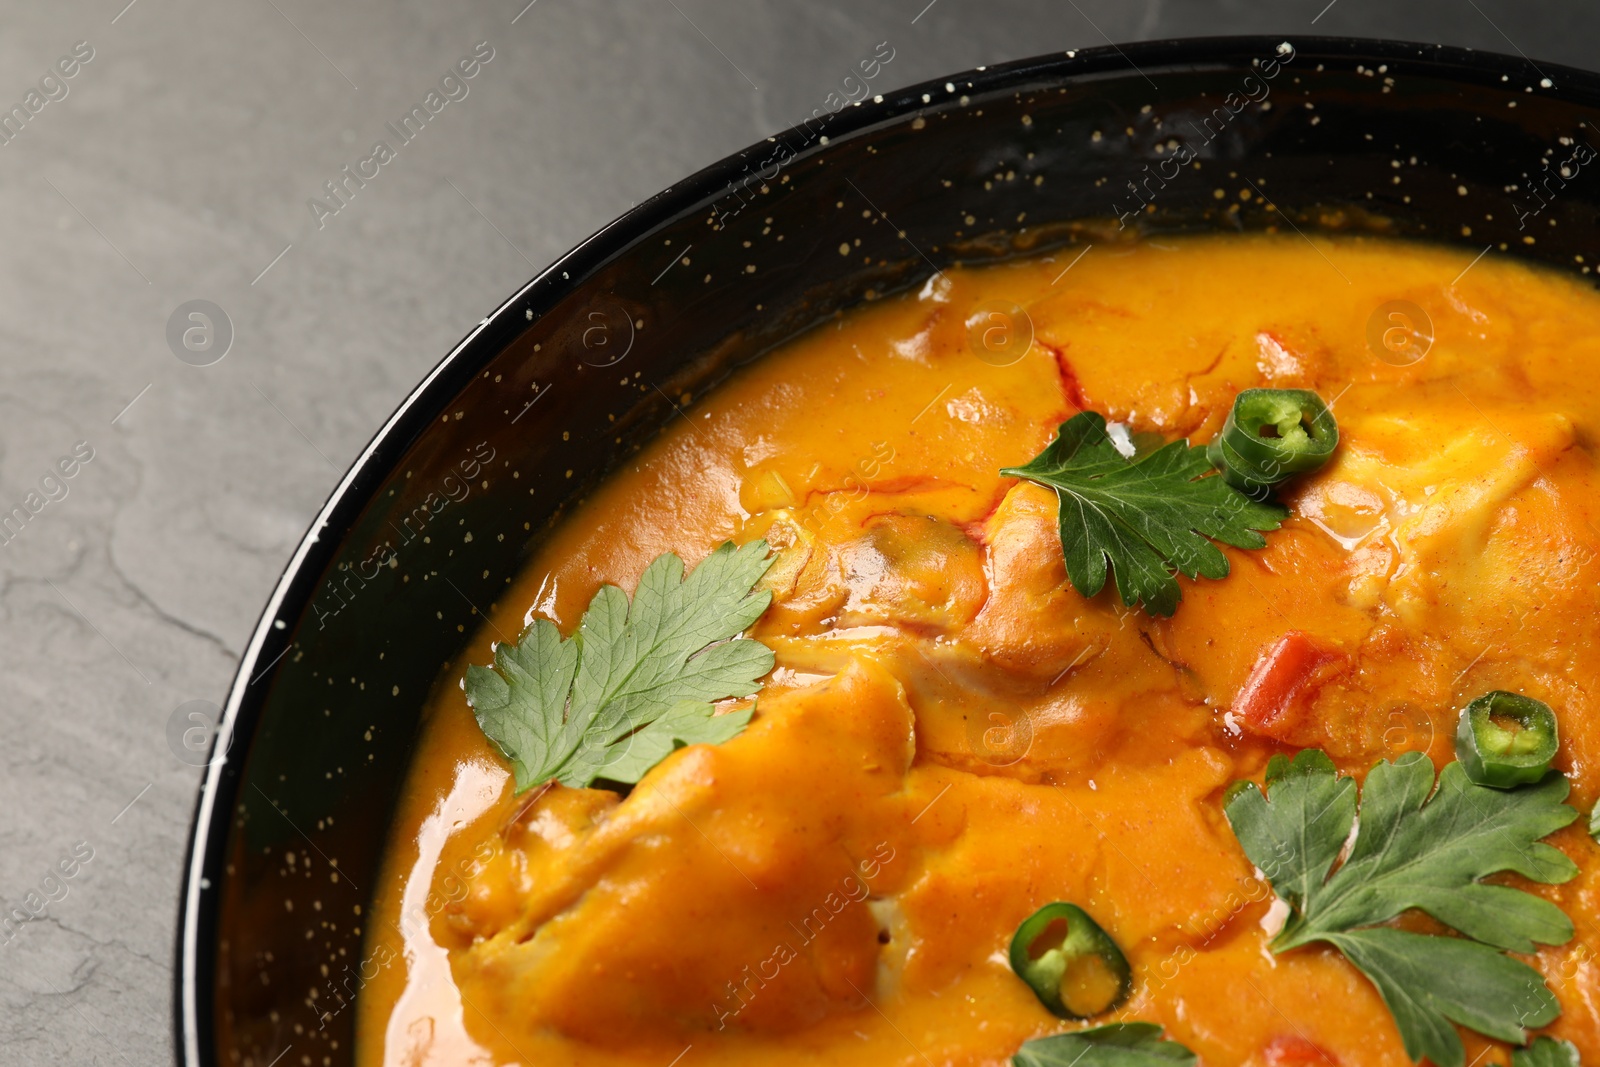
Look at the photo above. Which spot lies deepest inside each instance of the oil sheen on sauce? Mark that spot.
(953, 736)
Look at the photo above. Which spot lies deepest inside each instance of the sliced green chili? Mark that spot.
(1506, 739)
(1271, 435)
(1071, 964)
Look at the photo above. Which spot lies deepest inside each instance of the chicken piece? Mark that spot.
(734, 843)
(987, 656)
(914, 572)
(1034, 624)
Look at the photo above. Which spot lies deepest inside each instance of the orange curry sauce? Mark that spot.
(954, 737)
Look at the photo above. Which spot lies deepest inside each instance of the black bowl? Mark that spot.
(576, 371)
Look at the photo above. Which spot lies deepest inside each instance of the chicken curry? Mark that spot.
(912, 797)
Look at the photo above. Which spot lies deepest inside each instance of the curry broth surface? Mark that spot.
(953, 737)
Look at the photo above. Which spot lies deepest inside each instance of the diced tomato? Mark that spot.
(1292, 1050)
(1269, 702)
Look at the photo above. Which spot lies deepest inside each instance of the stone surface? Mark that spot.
(178, 166)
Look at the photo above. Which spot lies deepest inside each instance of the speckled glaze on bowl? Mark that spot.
(578, 370)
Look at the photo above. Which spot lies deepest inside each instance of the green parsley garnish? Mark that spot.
(1148, 518)
(633, 683)
(1416, 851)
(1546, 1052)
(1112, 1045)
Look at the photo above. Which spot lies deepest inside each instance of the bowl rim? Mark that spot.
(203, 867)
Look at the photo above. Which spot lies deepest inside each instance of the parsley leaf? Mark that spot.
(1413, 850)
(635, 681)
(1148, 518)
(1546, 1052)
(1113, 1045)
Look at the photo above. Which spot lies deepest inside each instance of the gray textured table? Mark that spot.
(175, 162)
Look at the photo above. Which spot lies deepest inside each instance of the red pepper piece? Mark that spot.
(1292, 1050)
(1269, 703)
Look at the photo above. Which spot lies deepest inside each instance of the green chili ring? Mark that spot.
(1272, 435)
(1072, 965)
(1506, 739)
